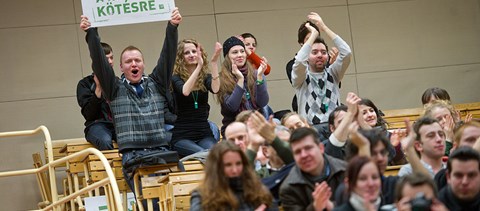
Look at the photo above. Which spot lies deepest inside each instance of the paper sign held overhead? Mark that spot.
(120, 12)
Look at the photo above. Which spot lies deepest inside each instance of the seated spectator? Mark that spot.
(293, 121)
(463, 175)
(467, 134)
(250, 42)
(99, 129)
(446, 116)
(230, 182)
(416, 187)
(275, 146)
(430, 144)
(312, 167)
(373, 143)
(373, 118)
(435, 93)
(242, 87)
(363, 180)
(191, 83)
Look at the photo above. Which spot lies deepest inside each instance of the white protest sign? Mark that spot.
(119, 12)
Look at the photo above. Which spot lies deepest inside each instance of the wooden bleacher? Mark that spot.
(395, 118)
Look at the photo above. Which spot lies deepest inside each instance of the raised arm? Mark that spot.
(162, 73)
(261, 94)
(215, 85)
(339, 67)
(412, 155)
(341, 132)
(266, 129)
(100, 65)
(299, 68)
(256, 61)
(190, 83)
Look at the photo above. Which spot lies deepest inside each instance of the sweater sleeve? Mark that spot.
(299, 68)
(100, 65)
(283, 150)
(232, 102)
(339, 67)
(256, 61)
(262, 96)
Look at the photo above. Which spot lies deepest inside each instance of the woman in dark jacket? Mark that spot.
(230, 183)
(363, 186)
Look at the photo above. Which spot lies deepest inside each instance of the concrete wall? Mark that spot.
(400, 47)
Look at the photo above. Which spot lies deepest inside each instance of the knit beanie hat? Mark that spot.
(229, 43)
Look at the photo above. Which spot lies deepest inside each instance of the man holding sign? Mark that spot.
(138, 103)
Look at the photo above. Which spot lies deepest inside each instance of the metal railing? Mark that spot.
(109, 182)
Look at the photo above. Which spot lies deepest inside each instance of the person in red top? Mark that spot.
(250, 42)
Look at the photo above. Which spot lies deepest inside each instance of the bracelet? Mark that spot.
(216, 77)
(260, 82)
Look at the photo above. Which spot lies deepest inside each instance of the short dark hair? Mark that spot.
(374, 136)
(439, 93)
(300, 133)
(106, 48)
(247, 35)
(414, 180)
(331, 116)
(424, 120)
(322, 41)
(303, 31)
(463, 153)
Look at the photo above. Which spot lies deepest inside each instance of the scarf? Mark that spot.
(357, 202)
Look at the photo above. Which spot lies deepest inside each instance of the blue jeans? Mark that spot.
(215, 130)
(100, 135)
(186, 147)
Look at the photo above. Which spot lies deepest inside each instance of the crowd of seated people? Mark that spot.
(325, 156)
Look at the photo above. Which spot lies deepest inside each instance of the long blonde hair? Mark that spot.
(215, 190)
(180, 65)
(229, 81)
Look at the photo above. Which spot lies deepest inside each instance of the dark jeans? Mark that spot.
(100, 135)
(186, 147)
(215, 130)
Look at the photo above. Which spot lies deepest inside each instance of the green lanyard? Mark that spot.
(195, 98)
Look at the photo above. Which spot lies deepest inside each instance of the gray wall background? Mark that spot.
(400, 47)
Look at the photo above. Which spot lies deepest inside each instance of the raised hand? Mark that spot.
(333, 53)
(317, 20)
(358, 139)
(199, 57)
(397, 136)
(265, 128)
(448, 127)
(236, 72)
(262, 68)
(352, 101)
(176, 18)
(311, 28)
(84, 23)
(216, 54)
(321, 196)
